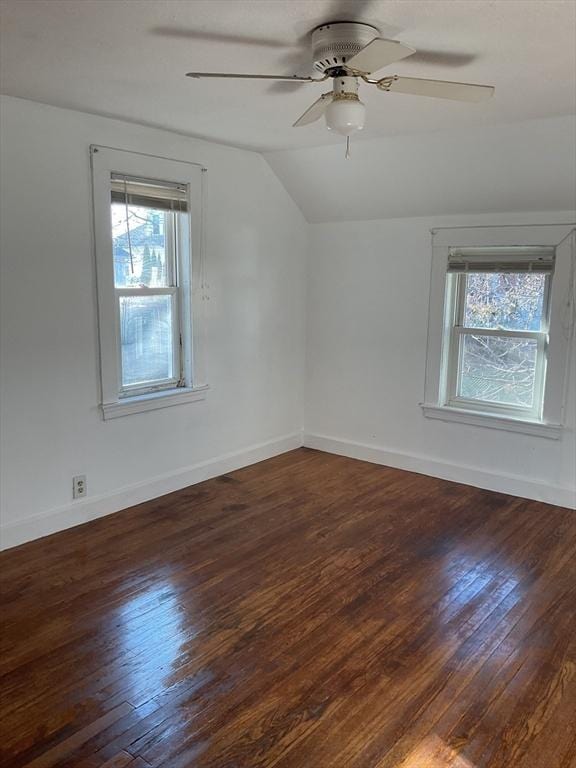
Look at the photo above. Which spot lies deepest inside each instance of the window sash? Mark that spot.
(456, 400)
(172, 251)
(173, 289)
(456, 295)
(459, 306)
(177, 380)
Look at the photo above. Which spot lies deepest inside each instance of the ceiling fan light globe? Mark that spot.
(345, 116)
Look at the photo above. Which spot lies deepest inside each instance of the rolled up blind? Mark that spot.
(520, 259)
(164, 196)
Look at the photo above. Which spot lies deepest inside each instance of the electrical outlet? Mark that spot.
(79, 486)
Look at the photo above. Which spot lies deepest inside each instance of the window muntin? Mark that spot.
(496, 357)
(147, 217)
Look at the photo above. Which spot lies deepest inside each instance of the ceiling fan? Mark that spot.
(348, 52)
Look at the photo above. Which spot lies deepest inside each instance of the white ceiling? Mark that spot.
(127, 59)
(528, 166)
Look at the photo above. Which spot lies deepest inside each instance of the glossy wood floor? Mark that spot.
(310, 611)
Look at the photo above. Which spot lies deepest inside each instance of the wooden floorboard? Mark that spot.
(310, 611)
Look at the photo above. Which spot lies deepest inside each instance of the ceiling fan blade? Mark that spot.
(378, 54)
(291, 78)
(439, 89)
(204, 35)
(437, 58)
(315, 111)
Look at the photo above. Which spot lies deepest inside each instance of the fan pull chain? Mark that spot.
(347, 155)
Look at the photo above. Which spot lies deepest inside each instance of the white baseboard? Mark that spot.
(45, 523)
(515, 485)
(84, 510)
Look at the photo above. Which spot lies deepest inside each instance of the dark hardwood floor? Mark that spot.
(310, 611)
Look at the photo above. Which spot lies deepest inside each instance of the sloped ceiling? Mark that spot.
(529, 166)
(127, 59)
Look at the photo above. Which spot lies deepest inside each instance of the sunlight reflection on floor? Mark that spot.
(434, 753)
(152, 633)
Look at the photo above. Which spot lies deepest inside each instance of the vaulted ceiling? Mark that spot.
(127, 59)
(528, 166)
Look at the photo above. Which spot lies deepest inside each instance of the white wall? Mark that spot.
(368, 286)
(367, 301)
(51, 425)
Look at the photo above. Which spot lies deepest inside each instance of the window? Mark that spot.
(500, 327)
(147, 217)
(149, 249)
(497, 306)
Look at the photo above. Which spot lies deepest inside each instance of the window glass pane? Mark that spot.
(146, 337)
(512, 301)
(497, 369)
(140, 247)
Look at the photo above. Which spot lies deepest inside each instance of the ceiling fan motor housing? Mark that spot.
(334, 44)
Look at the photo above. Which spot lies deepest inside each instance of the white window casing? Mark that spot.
(177, 188)
(549, 249)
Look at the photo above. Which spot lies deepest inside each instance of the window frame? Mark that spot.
(455, 307)
(560, 237)
(188, 294)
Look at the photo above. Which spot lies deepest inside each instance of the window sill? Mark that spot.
(478, 419)
(152, 401)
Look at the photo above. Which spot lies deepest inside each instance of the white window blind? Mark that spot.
(133, 191)
(523, 259)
